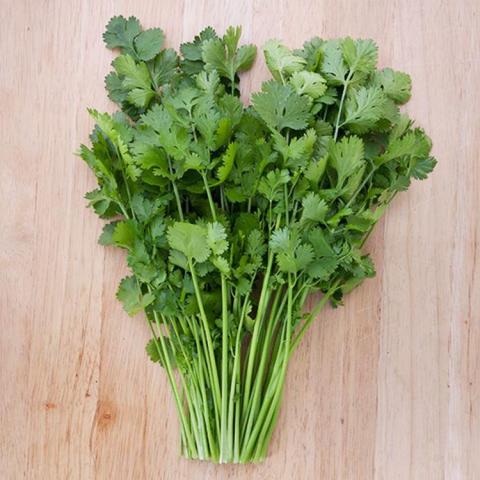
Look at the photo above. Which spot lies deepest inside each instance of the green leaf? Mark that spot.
(217, 238)
(271, 185)
(281, 241)
(363, 108)
(106, 238)
(396, 85)
(245, 57)
(333, 66)
(224, 56)
(303, 256)
(312, 53)
(114, 85)
(222, 265)
(316, 169)
(346, 157)
(360, 55)
(136, 74)
(413, 144)
(314, 208)
(308, 83)
(320, 244)
(280, 60)
(164, 67)
(116, 133)
(298, 151)
(192, 62)
(322, 268)
(136, 83)
(422, 167)
(124, 234)
(140, 97)
(256, 244)
(132, 298)
(142, 266)
(228, 159)
(294, 261)
(155, 352)
(189, 239)
(281, 107)
(120, 33)
(149, 43)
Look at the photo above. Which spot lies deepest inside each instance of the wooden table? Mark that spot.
(387, 387)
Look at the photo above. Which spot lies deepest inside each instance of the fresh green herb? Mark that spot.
(231, 216)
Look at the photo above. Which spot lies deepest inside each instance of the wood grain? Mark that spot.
(386, 387)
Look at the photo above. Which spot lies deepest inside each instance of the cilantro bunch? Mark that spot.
(231, 215)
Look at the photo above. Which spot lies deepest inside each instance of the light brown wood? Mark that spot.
(386, 387)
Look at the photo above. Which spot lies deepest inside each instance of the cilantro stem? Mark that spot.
(271, 401)
(209, 196)
(342, 100)
(175, 190)
(162, 351)
(253, 403)
(211, 355)
(224, 450)
(264, 295)
(224, 395)
(201, 366)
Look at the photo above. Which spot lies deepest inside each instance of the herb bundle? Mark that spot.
(233, 215)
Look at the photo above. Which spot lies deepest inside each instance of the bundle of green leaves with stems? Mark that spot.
(233, 215)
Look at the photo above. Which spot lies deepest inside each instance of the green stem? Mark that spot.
(271, 400)
(175, 191)
(262, 304)
(209, 196)
(161, 348)
(224, 395)
(224, 450)
(201, 367)
(233, 434)
(254, 401)
(342, 100)
(197, 420)
(208, 337)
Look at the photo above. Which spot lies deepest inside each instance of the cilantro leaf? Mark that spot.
(360, 55)
(192, 62)
(333, 66)
(136, 80)
(281, 107)
(396, 85)
(149, 43)
(189, 239)
(132, 298)
(280, 60)
(121, 33)
(224, 56)
(363, 108)
(309, 83)
(217, 238)
(314, 208)
(422, 167)
(227, 163)
(346, 157)
(106, 238)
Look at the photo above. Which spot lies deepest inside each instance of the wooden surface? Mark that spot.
(387, 387)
